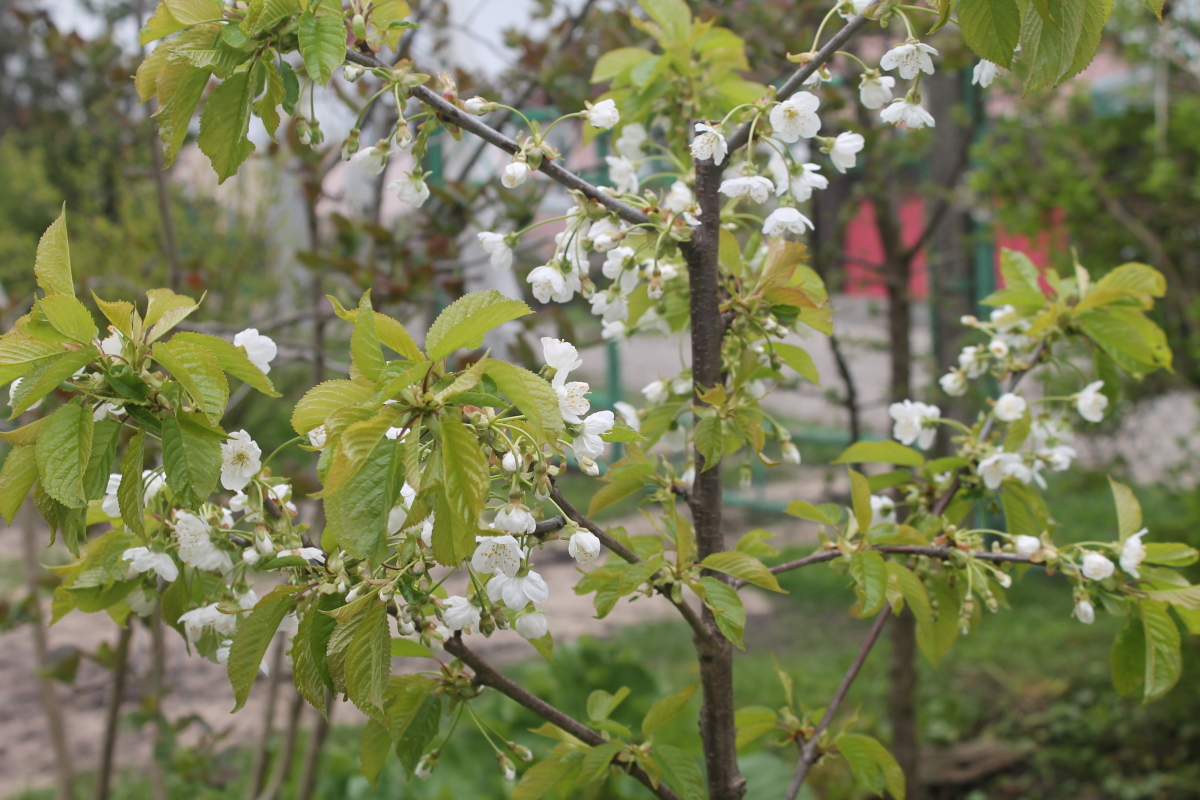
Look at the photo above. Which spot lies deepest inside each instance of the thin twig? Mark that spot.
(932, 551)
(487, 675)
(810, 751)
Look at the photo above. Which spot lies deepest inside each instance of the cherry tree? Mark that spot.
(437, 460)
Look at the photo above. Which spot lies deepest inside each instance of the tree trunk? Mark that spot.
(718, 732)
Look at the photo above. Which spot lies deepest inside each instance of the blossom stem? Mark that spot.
(267, 461)
(854, 58)
(524, 231)
(367, 106)
(528, 124)
(907, 26)
(550, 127)
(821, 28)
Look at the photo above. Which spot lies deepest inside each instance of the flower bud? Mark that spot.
(316, 137)
(350, 145)
(405, 627)
(478, 106)
(264, 545)
(359, 26)
(426, 765)
(506, 767)
(250, 556)
(352, 72)
(589, 467)
(791, 454)
(303, 131)
(520, 751)
(509, 462)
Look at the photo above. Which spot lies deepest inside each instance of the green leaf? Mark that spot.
(860, 495)
(367, 660)
(366, 356)
(419, 729)
(873, 766)
(594, 766)
(805, 510)
(601, 704)
(20, 354)
(1163, 661)
(617, 62)
(468, 319)
(533, 395)
(798, 359)
(355, 446)
(322, 44)
(753, 723)
(465, 478)
(1047, 51)
(69, 317)
(870, 575)
(131, 493)
(374, 747)
(52, 265)
(194, 12)
(63, 450)
(913, 592)
(673, 16)
(253, 637)
(198, 371)
(1128, 657)
(165, 306)
(991, 28)
(46, 375)
(1129, 510)
(160, 24)
(357, 513)
(106, 435)
(1171, 554)
(682, 772)
(880, 453)
(744, 566)
(667, 709)
(541, 778)
(727, 606)
(225, 124)
(407, 648)
(191, 454)
(325, 398)
(16, 479)
(232, 358)
(179, 89)
(310, 670)
(710, 440)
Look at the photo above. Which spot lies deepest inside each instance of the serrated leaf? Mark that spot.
(232, 358)
(873, 766)
(324, 399)
(533, 395)
(806, 510)
(744, 566)
(160, 24)
(63, 450)
(191, 454)
(682, 773)
(310, 671)
(16, 479)
(913, 591)
(667, 709)
(798, 359)
(601, 704)
(1128, 656)
(860, 495)
(673, 16)
(613, 493)
(179, 87)
(46, 375)
(594, 766)
(165, 310)
(727, 607)
(991, 28)
(52, 265)
(322, 45)
(407, 648)
(224, 125)
(131, 492)
(414, 733)
(253, 637)
(541, 778)
(1129, 510)
(870, 581)
(366, 357)
(194, 12)
(616, 62)
(368, 661)
(465, 322)
(106, 436)
(274, 11)
(374, 747)
(880, 453)
(466, 478)
(199, 372)
(1163, 661)
(69, 317)
(267, 106)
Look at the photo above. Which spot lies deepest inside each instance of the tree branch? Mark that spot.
(809, 753)
(487, 675)
(933, 551)
(741, 136)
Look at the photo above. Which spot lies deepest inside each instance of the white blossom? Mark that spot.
(514, 174)
(849, 9)
(973, 360)
(1097, 567)
(426, 765)
(845, 150)
(111, 505)
(113, 344)
(757, 187)
(984, 73)
(796, 117)
(514, 518)
(209, 616)
(995, 468)
(613, 330)
(910, 422)
(709, 143)
(911, 58)
(518, 592)
(629, 415)
(316, 437)
(105, 410)
(688, 478)
(261, 350)
(883, 509)
(583, 546)
(785, 220)
(572, 400)
(1133, 552)
(623, 173)
(410, 189)
(1059, 457)
(629, 143)
(906, 113)
(309, 554)
(604, 114)
(561, 356)
(875, 90)
(196, 548)
(790, 453)
(1091, 403)
(532, 625)
(998, 347)
(154, 480)
(1085, 612)
(1026, 545)
(605, 233)
(497, 247)
(373, 159)
(239, 461)
(458, 612)
(656, 391)
(588, 443)
(954, 383)
(500, 554)
(477, 106)
(143, 559)
(810, 178)
(679, 198)
(548, 283)
(1010, 407)
(510, 462)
